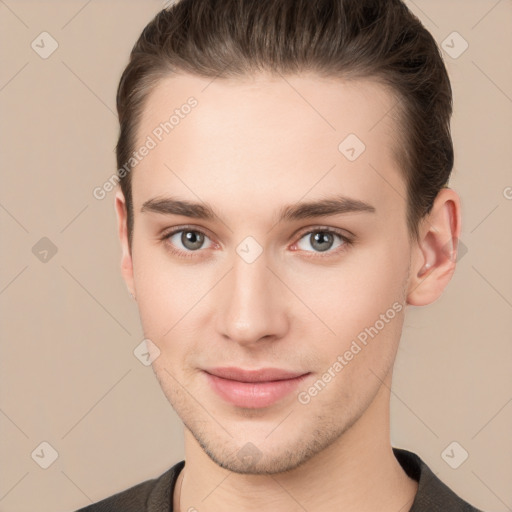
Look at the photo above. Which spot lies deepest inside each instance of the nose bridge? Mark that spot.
(252, 306)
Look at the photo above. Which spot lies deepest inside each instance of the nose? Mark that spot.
(252, 303)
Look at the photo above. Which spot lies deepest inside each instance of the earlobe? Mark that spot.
(434, 257)
(126, 257)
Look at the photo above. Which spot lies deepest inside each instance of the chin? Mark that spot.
(262, 457)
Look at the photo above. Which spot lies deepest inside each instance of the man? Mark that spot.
(283, 197)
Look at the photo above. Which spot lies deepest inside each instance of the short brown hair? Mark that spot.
(377, 39)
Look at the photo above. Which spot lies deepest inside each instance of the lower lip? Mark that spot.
(253, 395)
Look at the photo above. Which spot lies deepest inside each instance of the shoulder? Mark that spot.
(433, 495)
(151, 495)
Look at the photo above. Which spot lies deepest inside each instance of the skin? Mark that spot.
(250, 147)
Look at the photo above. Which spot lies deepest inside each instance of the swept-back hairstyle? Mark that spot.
(374, 39)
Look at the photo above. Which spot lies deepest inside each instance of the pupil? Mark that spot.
(322, 238)
(192, 239)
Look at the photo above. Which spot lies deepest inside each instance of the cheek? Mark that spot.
(165, 291)
(349, 298)
(353, 295)
(364, 306)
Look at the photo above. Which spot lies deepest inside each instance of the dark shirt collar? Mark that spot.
(432, 496)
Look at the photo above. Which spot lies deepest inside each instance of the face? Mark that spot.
(269, 280)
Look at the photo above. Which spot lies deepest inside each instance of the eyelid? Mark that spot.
(167, 233)
(318, 227)
(346, 238)
(347, 241)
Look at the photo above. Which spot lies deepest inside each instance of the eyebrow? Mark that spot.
(336, 205)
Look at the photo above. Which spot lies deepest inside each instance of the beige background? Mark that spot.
(69, 328)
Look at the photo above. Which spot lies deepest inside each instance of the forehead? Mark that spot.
(267, 137)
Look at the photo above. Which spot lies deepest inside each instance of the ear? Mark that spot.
(126, 257)
(434, 257)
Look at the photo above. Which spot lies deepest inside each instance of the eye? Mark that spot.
(185, 241)
(323, 240)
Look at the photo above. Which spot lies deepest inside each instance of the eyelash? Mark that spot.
(347, 242)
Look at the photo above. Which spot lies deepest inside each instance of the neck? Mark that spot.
(357, 473)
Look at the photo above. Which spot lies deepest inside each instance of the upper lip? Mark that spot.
(258, 375)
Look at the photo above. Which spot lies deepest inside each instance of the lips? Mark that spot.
(253, 388)
(261, 375)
